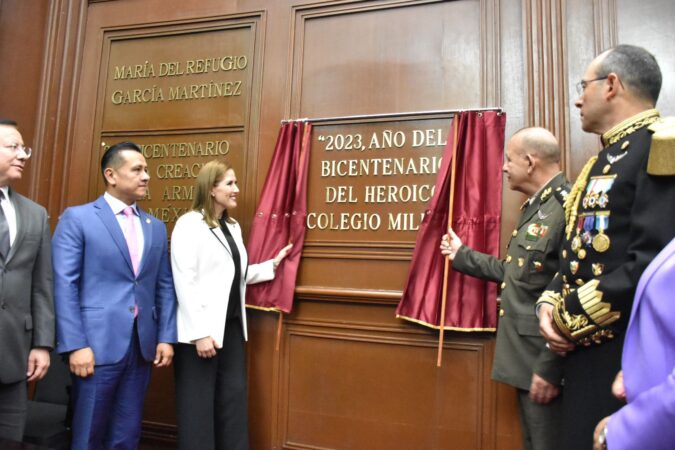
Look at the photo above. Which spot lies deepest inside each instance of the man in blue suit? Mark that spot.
(115, 303)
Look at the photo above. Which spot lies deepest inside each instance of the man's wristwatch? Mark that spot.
(602, 438)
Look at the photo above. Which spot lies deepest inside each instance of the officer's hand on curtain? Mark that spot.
(450, 244)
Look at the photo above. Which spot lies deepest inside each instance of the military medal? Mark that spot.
(576, 240)
(597, 190)
(574, 267)
(576, 244)
(597, 269)
(592, 199)
(521, 262)
(538, 266)
(601, 241)
(582, 253)
(589, 225)
(564, 253)
(606, 169)
(589, 190)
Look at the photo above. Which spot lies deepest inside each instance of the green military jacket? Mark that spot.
(531, 262)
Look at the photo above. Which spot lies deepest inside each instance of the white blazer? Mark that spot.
(203, 270)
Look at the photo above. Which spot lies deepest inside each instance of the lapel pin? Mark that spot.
(147, 220)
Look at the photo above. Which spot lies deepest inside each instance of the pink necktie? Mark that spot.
(132, 239)
(132, 243)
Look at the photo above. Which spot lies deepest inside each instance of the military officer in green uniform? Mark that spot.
(619, 215)
(521, 358)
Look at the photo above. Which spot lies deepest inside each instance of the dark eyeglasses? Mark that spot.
(581, 86)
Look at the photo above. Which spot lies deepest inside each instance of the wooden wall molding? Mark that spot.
(546, 67)
(347, 295)
(56, 106)
(490, 42)
(605, 24)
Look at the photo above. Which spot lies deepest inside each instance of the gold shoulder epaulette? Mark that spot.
(662, 151)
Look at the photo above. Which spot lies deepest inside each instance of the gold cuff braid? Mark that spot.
(585, 330)
(591, 300)
(549, 297)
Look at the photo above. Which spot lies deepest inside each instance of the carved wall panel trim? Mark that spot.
(546, 67)
(164, 84)
(313, 390)
(605, 21)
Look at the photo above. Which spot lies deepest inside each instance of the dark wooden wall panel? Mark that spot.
(371, 385)
(23, 34)
(351, 59)
(344, 363)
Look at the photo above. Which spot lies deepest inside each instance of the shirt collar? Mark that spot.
(5, 190)
(118, 205)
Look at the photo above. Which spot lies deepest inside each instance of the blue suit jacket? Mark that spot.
(95, 286)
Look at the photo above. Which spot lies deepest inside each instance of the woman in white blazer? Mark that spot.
(210, 273)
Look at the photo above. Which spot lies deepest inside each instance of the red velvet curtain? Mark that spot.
(280, 218)
(470, 302)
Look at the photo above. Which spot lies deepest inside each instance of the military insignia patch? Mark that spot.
(536, 231)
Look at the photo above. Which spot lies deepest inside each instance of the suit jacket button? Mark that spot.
(3, 306)
(131, 309)
(501, 313)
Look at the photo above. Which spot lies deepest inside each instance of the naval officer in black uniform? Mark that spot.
(521, 358)
(619, 215)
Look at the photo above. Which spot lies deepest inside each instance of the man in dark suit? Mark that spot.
(521, 358)
(115, 303)
(619, 215)
(26, 302)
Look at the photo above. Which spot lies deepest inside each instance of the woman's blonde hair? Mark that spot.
(209, 176)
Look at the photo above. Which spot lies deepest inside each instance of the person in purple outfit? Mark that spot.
(647, 379)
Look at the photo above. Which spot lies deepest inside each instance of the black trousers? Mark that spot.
(211, 395)
(13, 404)
(587, 398)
